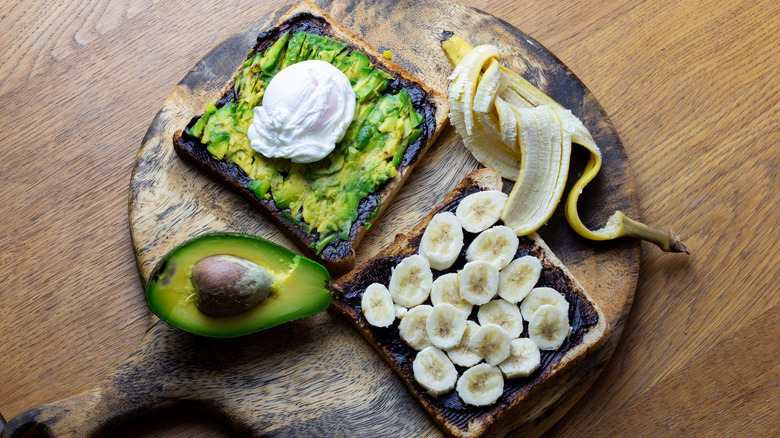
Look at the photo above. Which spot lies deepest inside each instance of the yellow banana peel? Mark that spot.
(500, 125)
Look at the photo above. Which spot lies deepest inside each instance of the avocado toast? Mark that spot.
(325, 206)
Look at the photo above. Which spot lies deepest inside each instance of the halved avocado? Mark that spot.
(301, 286)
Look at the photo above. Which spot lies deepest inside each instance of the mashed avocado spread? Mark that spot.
(323, 195)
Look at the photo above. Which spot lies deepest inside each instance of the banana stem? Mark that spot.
(665, 239)
(618, 225)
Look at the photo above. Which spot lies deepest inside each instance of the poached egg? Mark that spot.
(307, 108)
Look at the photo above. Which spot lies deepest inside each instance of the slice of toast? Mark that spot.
(524, 400)
(338, 255)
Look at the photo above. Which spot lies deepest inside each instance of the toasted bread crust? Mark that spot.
(230, 175)
(527, 402)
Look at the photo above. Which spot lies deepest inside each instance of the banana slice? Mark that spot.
(517, 279)
(479, 211)
(540, 296)
(413, 327)
(442, 241)
(445, 325)
(377, 304)
(549, 327)
(478, 282)
(480, 385)
(497, 246)
(434, 371)
(503, 314)
(445, 289)
(491, 343)
(400, 311)
(411, 280)
(461, 354)
(524, 358)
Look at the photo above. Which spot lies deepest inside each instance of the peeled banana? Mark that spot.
(513, 127)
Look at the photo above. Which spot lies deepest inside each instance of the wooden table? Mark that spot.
(692, 89)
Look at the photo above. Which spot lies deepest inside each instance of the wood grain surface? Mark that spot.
(171, 201)
(692, 89)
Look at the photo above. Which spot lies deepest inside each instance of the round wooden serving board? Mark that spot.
(317, 376)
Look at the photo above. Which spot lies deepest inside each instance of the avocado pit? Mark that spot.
(227, 285)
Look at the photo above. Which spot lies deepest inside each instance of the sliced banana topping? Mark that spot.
(478, 282)
(411, 280)
(479, 211)
(442, 241)
(445, 325)
(462, 354)
(491, 343)
(517, 279)
(441, 332)
(413, 329)
(378, 307)
(524, 358)
(497, 246)
(540, 296)
(481, 385)
(434, 371)
(445, 289)
(548, 327)
(503, 314)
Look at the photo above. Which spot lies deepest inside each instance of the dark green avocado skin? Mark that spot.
(301, 286)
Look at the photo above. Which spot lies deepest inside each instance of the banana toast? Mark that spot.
(522, 400)
(324, 207)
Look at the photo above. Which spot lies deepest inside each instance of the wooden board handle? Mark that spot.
(137, 387)
(89, 414)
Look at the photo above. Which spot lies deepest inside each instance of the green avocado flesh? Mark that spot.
(300, 286)
(323, 195)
